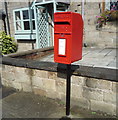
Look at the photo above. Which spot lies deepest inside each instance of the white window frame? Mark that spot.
(107, 4)
(22, 20)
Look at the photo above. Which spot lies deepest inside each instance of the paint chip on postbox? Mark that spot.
(62, 47)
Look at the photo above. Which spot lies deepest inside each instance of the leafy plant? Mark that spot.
(109, 15)
(7, 44)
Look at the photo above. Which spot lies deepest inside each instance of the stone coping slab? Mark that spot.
(29, 52)
(78, 70)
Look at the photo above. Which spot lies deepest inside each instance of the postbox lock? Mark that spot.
(62, 35)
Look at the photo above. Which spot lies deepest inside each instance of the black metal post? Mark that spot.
(68, 89)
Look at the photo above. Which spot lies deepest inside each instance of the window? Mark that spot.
(111, 4)
(26, 20)
(22, 20)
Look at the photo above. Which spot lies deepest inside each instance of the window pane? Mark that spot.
(17, 15)
(32, 14)
(25, 14)
(114, 5)
(33, 24)
(26, 25)
(18, 26)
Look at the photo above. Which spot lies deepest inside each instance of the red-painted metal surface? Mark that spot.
(68, 37)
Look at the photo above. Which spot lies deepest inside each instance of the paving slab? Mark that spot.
(96, 57)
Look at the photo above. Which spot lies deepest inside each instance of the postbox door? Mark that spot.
(62, 48)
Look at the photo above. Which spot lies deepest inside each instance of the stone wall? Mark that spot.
(106, 36)
(1, 25)
(89, 93)
(25, 45)
(1, 21)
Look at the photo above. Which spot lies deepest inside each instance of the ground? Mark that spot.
(17, 104)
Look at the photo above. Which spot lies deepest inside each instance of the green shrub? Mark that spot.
(7, 44)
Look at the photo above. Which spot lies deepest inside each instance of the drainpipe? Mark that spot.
(103, 5)
(3, 18)
(7, 17)
(83, 9)
(31, 26)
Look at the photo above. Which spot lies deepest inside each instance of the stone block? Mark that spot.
(91, 12)
(41, 73)
(81, 102)
(109, 97)
(52, 75)
(89, 35)
(103, 107)
(22, 70)
(89, 28)
(91, 82)
(108, 35)
(92, 94)
(24, 46)
(4, 82)
(16, 74)
(91, 5)
(76, 90)
(78, 80)
(37, 81)
(8, 76)
(60, 86)
(23, 78)
(115, 87)
(63, 98)
(26, 87)
(16, 85)
(29, 72)
(98, 83)
(39, 91)
(53, 94)
(49, 84)
(9, 68)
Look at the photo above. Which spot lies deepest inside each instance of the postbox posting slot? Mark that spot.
(62, 26)
(62, 23)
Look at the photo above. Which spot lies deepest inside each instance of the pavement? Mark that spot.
(28, 105)
(95, 57)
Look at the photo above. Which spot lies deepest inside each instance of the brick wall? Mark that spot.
(88, 93)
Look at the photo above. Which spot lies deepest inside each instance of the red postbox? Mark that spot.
(68, 36)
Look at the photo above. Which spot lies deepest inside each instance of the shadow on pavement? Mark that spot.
(7, 91)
